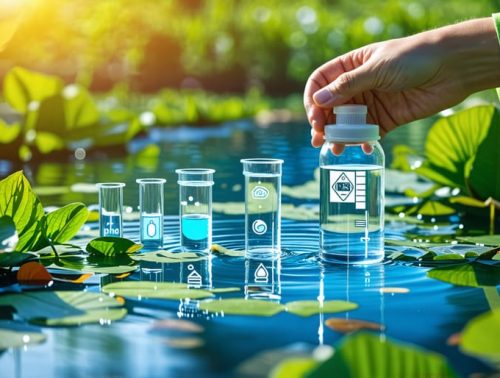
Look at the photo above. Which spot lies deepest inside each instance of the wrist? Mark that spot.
(472, 54)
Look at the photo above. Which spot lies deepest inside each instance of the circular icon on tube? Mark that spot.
(259, 227)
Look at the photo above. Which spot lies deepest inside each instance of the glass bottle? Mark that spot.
(352, 190)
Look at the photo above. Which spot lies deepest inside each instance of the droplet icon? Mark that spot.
(261, 274)
(151, 230)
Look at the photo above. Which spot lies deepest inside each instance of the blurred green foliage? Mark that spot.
(223, 44)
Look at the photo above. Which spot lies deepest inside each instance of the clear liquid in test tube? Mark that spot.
(262, 207)
(151, 197)
(110, 209)
(195, 208)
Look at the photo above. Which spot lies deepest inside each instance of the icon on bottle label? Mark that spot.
(151, 228)
(259, 227)
(348, 187)
(260, 192)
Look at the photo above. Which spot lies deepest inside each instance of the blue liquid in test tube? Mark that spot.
(195, 194)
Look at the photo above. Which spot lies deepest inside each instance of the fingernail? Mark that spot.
(323, 96)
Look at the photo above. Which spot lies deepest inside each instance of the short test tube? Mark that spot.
(110, 209)
(151, 197)
(262, 207)
(195, 208)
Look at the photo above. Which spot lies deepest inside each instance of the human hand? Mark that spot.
(405, 79)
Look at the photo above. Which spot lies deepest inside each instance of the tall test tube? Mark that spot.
(195, 208)
(151, 196)
(262, 207)
(111, 209)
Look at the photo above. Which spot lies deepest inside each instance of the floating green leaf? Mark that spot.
(167, 257)
(63, 224)
(18, 201)
(449, 256)
(308, 308)
(64, 308)
(147, 289)
(223, 290)
(111, 246)
(491, 240)
(8, 234)
(473, 274)
(21, 87)
(365, 355)
(219, 249)
(17, 337)
(481, 335)
(242, 307)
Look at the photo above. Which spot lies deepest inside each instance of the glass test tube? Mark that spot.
(195, 208)
(151, 209)
(262, 207)
(110, 208)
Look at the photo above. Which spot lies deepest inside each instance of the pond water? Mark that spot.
(412, 307)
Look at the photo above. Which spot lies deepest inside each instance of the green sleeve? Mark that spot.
(496, 19)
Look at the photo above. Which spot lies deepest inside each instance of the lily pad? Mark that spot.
(474, 274)
(223, 290)
(308, 308)
(242, 307)
(167, 257)
(162, 290)
(64, 308)
(14, 335)
(219, 249)
(490, 240)
(111, 246)
(365, 355)
(481, 335)
(351, 325)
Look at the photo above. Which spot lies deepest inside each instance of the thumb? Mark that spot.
(345, 87)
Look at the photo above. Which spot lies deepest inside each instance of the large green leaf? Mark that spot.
(18, 201)
(461, 151)
(296, 367)
(365, 355)
(63, 224)
(79, 106)
(64, 308)
(481, 335)
(21, 87)
(8, 234)
(474, 274)
(147, 289)
(112, 246)
(242, 307)
(10, 259)
(491, 240)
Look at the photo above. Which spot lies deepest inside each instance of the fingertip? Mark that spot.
(367, 148)
(317, 139)
(324, 97)
(338, 149)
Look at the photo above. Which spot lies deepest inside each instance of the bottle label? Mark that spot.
(348, 187)
(151, 228)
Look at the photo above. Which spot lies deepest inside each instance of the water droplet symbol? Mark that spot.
(259, 227)
(261, 274)
(151, 231)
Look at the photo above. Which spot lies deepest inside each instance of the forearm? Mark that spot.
(472, 53)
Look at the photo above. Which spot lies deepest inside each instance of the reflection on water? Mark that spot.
(262, 279)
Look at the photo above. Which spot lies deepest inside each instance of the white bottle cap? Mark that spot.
(351, 125)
